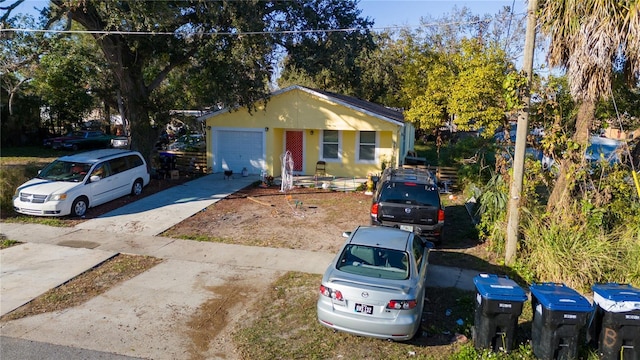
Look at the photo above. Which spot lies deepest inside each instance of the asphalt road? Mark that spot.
(11, 348)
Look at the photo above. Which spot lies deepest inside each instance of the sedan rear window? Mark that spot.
(374, 262)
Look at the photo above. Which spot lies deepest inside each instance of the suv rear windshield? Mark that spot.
(409, 193)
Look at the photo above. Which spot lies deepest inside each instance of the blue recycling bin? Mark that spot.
(499, 302)
(616, 322)
(559, 317)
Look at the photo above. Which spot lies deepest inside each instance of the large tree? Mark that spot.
(456, 72)
(381, 80)
(62, 81)
(20, 54)
(375, 75)
(328, 58)
(222, 50)
(592, 40)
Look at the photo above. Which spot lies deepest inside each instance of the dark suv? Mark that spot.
(409, 199)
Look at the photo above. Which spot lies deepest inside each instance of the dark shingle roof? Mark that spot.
(366, 106)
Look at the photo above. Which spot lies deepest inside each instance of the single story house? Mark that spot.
(351, 136)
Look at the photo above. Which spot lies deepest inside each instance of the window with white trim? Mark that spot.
(330, 145)
(366, 146)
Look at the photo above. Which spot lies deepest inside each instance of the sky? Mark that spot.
(387, 13)
(408, 12)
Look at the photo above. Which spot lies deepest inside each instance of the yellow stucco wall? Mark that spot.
(299, 110)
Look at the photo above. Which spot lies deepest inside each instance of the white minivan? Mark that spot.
(72, 184)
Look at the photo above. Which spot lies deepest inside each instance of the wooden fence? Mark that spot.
(447, 176)
(184, 162)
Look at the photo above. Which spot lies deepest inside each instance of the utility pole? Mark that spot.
(515, 190)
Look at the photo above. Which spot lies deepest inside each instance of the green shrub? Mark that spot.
(11, 177)
(610, 198)
(629, 237)
(466, 151)
(492, 209)
(566, 248)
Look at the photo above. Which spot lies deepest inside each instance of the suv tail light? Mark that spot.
(374, 209)
(440, 215)
(402, 304)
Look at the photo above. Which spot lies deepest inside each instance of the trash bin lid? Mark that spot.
(494, 287)
(559, 297)
(614, 297)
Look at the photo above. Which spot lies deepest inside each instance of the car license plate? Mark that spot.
(364, 309)
(406, 227)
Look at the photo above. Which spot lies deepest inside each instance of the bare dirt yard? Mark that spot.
(302, 218)
(314, 219)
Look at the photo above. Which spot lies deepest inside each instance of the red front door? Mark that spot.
(293, 144)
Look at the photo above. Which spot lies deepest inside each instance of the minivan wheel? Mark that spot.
(79, 206)
(136, 189)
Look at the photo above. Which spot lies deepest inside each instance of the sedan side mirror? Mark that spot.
(346, 234)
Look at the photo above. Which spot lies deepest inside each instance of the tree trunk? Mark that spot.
(133, 91)
(635, 156)
(136, 112)
(561, 195)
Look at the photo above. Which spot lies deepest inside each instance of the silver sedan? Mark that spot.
(375, 285)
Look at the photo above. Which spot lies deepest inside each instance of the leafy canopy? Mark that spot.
(456, 71)
(214, 52)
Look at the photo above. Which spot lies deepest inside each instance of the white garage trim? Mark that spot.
(238, 148)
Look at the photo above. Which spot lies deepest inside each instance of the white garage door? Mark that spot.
(238, 149)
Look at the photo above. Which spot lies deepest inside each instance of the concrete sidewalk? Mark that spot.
(30, 270)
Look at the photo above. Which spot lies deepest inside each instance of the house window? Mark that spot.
(367, 146)
(330, 145)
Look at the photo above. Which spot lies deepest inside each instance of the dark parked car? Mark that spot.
(409, 199)
(48, 142)
(83, 139)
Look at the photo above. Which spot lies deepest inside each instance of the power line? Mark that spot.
(227, 33)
